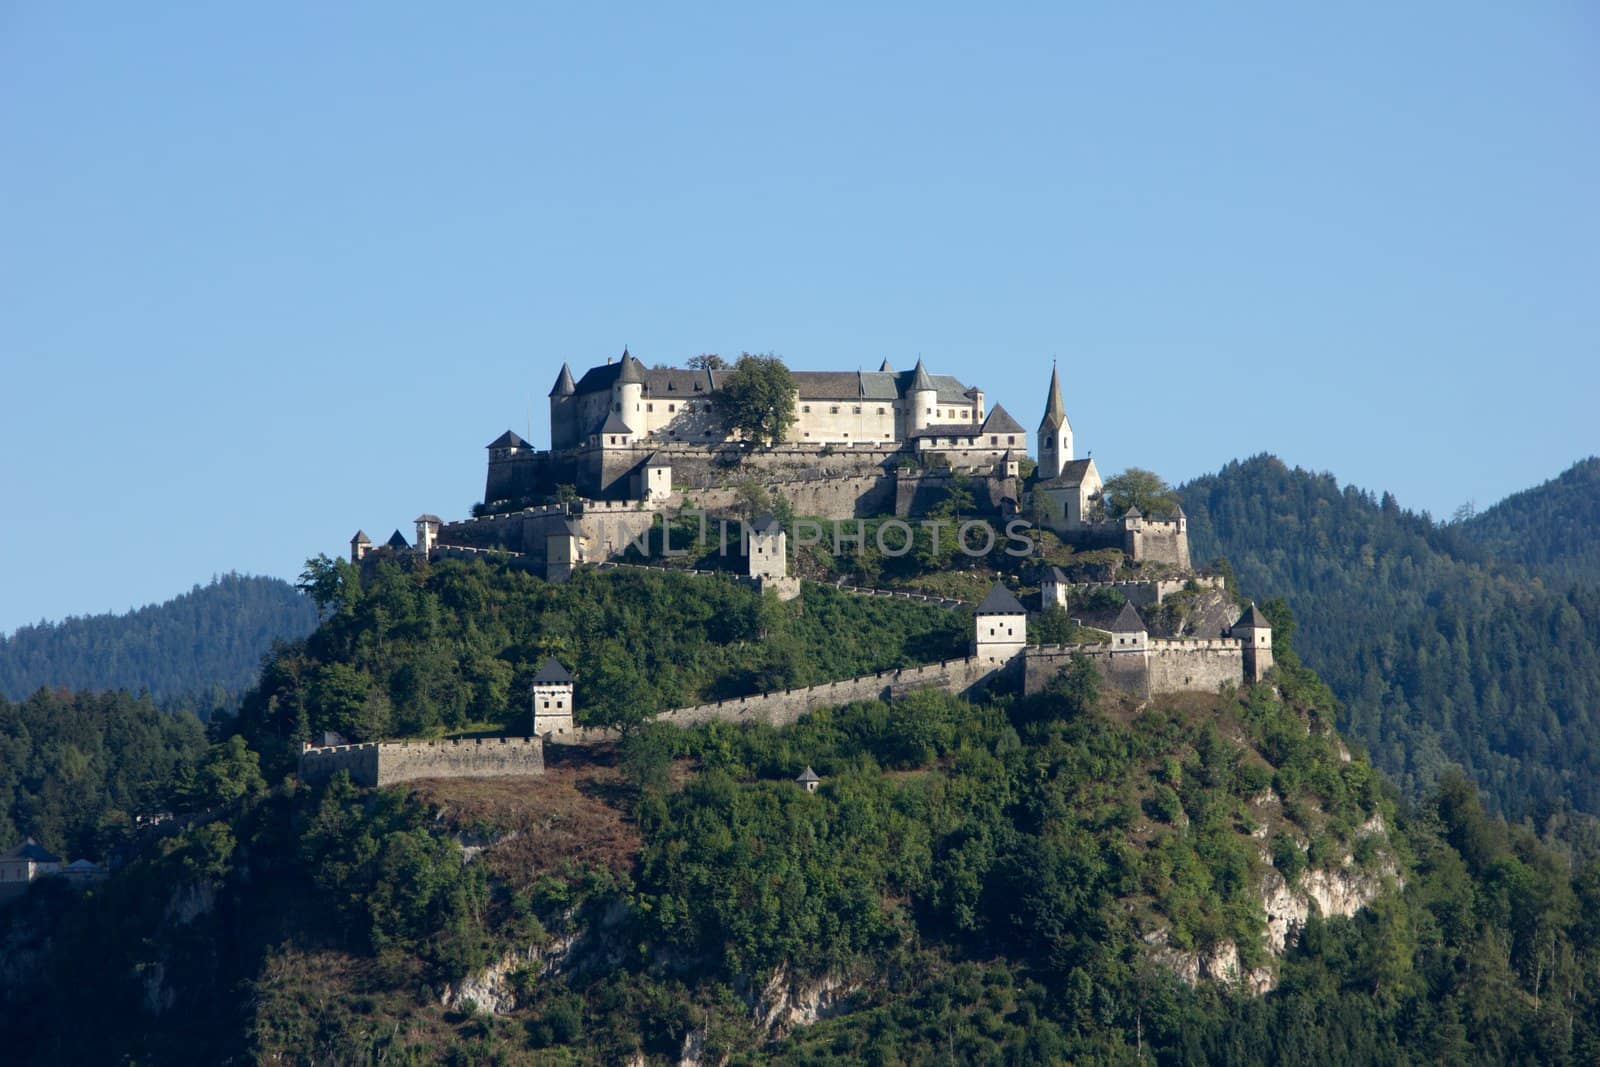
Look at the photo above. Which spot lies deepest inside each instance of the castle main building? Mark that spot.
(608, 426)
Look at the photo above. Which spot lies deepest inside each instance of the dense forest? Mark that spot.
(199, 650)
(1006, 882)
(1551, 529)
(1440, 654)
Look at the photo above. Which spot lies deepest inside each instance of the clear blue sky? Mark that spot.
(270, 275)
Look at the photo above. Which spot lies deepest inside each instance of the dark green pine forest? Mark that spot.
(199, 650)
(1474, 643)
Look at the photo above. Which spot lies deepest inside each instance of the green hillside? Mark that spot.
(1439, 654)
(1017, 881)
(198, 650)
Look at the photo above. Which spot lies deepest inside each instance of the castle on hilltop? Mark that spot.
(631, 446)
(628, 442)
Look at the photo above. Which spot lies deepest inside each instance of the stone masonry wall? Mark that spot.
(385, 763)
(1165, 666)
(960, 677)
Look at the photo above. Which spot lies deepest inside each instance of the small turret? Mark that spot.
(921, 398)
(564, 431)
(808, 780)
(427, 531)
(360, 545)
(766, 552)
(627, 395)
(551, 693)
(1129, 632)
(1000, 625)
(1055, 432)
(1255, 634)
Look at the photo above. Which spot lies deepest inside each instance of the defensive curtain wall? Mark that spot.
(1155, 666)
(963, 677)
(387, 762)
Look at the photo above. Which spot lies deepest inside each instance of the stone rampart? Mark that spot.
(1200, 665)
(959, 677)
(387, 762)
(847, 496)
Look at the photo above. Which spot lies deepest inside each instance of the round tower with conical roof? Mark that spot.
(921, 397)
(564, 431)
(627, 395)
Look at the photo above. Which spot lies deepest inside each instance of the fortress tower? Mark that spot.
(1254, 630)
(552, 700)
(1055, 433)
(1000, 626)
(563, 413)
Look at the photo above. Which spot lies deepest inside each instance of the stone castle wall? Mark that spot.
(1161, 666)
(384, 763)
(959, 676)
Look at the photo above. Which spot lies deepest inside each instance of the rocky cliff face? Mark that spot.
(1338, 892)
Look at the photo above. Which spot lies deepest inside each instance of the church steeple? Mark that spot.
(1055, 412)
(1055, 432)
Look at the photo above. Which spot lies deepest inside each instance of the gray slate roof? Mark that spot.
(1128, 621)
(1252, 619)
(428, 518)
(614, 424)
(808, 775)
(507, 440)
(552, 673)
(1055, 412)
(31, 850)
(1001, 601)
(1000, 421)
(766, 523)
(920, 382)
(398, 540)
(1072, 473)
(564, 386)
(361, 538)
(632, 370)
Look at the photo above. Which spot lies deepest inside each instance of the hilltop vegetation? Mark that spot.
(423, 649)
(1439, 655)
(199, 650)
(972, 884)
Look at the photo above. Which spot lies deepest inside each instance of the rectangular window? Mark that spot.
(834, 410)
(994, 440)
(649, 407)
(806, 409)
(858, 409)
(882, 412)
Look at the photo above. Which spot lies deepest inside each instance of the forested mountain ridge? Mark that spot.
(198, 649)
(1439, 653)
(1552, 529)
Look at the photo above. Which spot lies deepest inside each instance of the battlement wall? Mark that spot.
(1201, 665)
(386, 762)
(959, 677)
